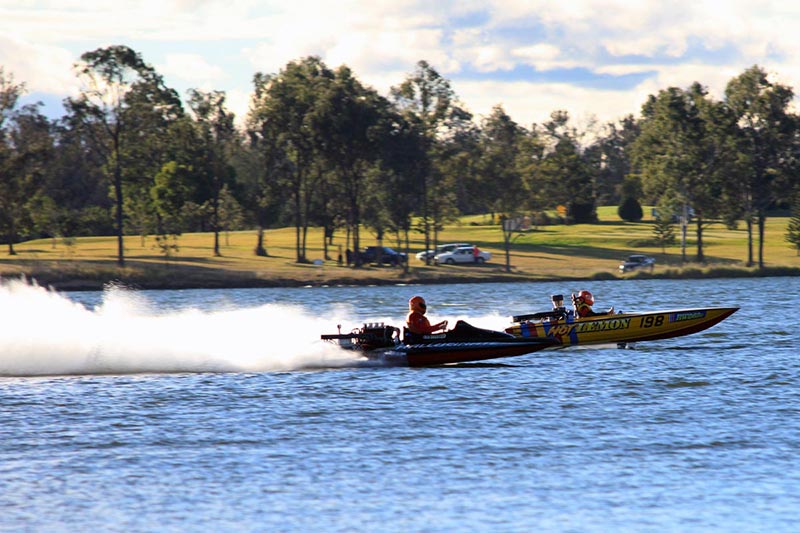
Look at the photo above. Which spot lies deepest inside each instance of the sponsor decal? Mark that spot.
(687, 315)
(561, 330)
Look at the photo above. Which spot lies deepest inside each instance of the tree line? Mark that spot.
(318, 148)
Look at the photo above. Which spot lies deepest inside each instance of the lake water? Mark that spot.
(220, 410)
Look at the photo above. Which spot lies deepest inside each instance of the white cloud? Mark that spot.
(42, 68)
(192, 68)
(679, 42)
(528, 103)
(543, 56)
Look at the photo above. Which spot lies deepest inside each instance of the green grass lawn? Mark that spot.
(581, 251)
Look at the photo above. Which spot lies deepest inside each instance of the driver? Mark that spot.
(417, 322)
(583, 302)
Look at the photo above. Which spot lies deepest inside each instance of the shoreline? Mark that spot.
(64, 282)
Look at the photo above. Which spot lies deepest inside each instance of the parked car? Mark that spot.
(462, 254)
(388, 256)
(442, 248)
(636, 262)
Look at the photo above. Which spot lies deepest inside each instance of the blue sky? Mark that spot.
(597, 59)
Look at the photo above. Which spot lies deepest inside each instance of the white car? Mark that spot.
(462, 254)
(442, 248)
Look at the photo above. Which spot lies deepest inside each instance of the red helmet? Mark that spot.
(587, 297)
(417, 303)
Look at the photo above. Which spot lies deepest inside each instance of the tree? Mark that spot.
(282, 108)
(118, 88)
(170, 191)
(348, 123)
(26, 147)
(563, 172)
(401, 166)
(766, 130)
(683, 152)
(609, 158)
(500, 149)
(217, 135)
(426, 98)
(9, 173)
(630, 209)
(663, 231)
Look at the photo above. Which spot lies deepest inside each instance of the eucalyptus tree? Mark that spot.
(563, 173)
(767, 131)
(10, 209)
(26, 147)
(503, 186)
(170, 191)
(684, 152)
(454, 147)
(218, 136)
(123, 99)
(402, 161)
(256, 165)
(280, 116)
(348, 123)
(426, 98)
(609, 158)
(77, 185)
(459, 163)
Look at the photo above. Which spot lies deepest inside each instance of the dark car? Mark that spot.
(384, 254)
(637, 261)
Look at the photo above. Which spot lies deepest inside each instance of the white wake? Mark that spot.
(42, 332)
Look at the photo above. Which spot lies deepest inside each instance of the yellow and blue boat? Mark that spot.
(620, 328)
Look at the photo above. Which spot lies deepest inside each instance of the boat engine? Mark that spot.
(377, 335)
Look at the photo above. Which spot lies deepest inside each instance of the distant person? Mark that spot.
(475, 253)
(417, 322)
(583, 302)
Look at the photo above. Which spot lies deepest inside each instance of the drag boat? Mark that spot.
(622, 329)
(464, 343)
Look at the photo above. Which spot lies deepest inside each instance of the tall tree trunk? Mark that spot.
(761, 224)
(425, 220)
(701, 258)
(12, 235)
(118, 215)
(215, 221)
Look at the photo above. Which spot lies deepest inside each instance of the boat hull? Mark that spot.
(445, 353)
(464, 343)
(622, 328)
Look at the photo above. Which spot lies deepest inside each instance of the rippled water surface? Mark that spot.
(221, 410)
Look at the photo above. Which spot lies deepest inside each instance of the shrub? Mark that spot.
(630, 210)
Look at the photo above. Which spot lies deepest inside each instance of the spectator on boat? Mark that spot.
(583, 302)
(417, 322)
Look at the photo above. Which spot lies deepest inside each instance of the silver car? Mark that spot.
(637, 262)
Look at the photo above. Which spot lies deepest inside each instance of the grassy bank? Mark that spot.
(547, 253)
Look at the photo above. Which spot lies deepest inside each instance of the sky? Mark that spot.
(596, 59)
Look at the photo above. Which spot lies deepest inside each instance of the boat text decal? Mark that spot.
(689, 315)
(561, 330)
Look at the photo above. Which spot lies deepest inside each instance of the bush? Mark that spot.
(578, 213)
(630, 210)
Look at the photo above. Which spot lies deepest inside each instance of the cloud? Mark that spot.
(42, 68)
(192, 68)
(532, 56)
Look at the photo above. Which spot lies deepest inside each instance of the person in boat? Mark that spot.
(417, 322)
(583, 302)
